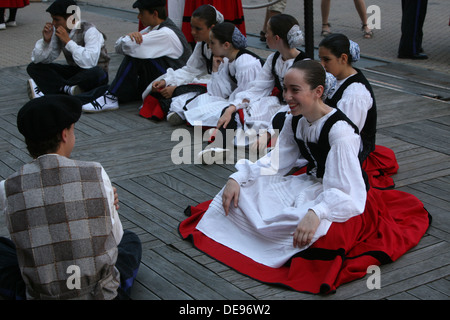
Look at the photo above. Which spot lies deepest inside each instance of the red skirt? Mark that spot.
(231, 9)
(14, 3)
(392, 223)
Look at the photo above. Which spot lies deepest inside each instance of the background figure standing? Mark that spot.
(13, 5)
(271, 11)
(413, 17)
(360, 6)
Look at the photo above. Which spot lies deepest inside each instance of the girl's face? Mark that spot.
(331, 63)
(270, 37)
(218, 49)
(199, 30)
(298, 94)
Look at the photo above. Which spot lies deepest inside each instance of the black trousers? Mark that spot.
(413, 17)
(12, 286)
(132, 78)
(52, 77)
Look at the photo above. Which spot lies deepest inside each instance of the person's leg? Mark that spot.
(12, 17)
(325, 12)
(128, 261)
(360, 6)
(12, 286)
(89, 79)
(52, 77)
(411, 18)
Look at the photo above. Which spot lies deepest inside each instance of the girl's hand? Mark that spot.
(217, 61)
(230, 193)
(226, 117)
(306, 229)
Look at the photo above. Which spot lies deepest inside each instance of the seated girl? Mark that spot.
(316, 230)
(354, 96)
(263, 99)
(234, 69)
(171, 91)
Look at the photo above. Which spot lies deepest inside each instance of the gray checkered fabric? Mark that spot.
(58, 216)
(78, 37)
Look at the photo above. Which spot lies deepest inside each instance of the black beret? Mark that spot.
(147, 4)
(44, 117)
(59, 7)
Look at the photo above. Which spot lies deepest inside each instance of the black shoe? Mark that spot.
(417, 56)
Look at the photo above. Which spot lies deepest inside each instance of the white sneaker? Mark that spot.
(213, 155)
(175, 119)
(33, 90)
(2, 26)
(106, 102)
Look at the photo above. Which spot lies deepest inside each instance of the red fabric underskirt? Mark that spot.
(392, 223)
(14, 3)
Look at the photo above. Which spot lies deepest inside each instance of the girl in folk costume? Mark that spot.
(234, 69)
(354, 96)
(263, 99)
(317, 230)
(231, 9)
(169, 93)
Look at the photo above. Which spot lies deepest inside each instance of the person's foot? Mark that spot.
(213, 155)
(417, 56)
(33, 90)
(326, 30)
(175, 119)
(106, 102)
(367, 33)
(262, 36)
(11, 24)
(2, 26)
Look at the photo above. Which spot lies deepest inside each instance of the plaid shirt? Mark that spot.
(58, 216)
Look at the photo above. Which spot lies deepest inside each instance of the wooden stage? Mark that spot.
(413, 120)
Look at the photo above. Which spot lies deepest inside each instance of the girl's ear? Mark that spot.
(344, 58)
(319, 91)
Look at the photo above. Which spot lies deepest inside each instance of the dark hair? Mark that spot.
(280, 25)
(206, 13)
(338, 44)
(224, 32)
(41, 147)
(314, 72)
(162, 11)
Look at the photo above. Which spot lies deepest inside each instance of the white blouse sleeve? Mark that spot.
(247, 70)
(355, 103)
(262, 86)
(282, 158)
(344, 191)
(195, 67)
(87, 57)
(156, 43)
(116, 223)
(44, 52)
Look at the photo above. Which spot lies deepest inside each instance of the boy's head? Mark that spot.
(61, 10)
(47, 122)
(151, 11)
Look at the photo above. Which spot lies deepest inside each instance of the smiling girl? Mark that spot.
(313, 231)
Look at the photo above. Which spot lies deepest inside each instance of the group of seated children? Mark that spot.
(311, 229)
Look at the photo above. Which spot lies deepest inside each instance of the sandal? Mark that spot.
(366, 34)
(326, 33)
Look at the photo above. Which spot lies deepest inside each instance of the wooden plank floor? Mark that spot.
(154, 192)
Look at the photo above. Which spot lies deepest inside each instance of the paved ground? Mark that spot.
(18, 42)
